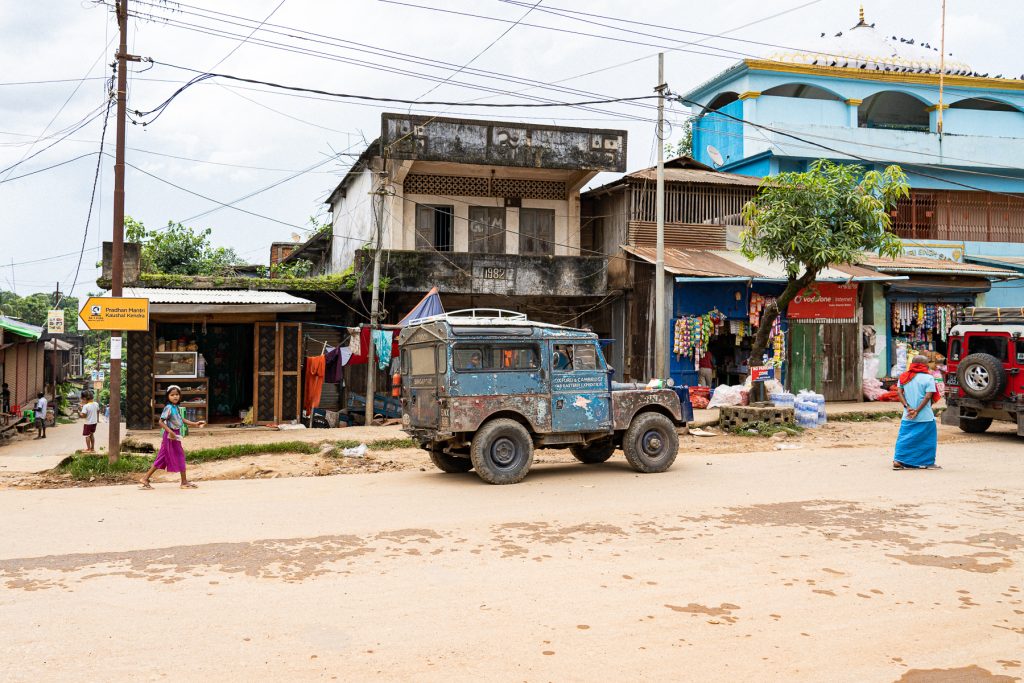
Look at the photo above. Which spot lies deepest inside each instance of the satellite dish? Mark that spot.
(716, 156)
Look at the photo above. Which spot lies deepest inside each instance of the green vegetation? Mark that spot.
(827, 216)
(320, 283)
(86, 466)
(179, 249)
(766, 429)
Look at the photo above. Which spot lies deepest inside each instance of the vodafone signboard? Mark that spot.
(824, 300)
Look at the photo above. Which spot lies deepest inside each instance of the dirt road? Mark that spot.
(814, 564)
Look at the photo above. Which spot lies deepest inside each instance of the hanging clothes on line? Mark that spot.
(382, 342)
(332, 373)
(359, 346)
(315, 366)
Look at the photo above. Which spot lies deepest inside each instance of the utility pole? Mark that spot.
(942, 70)
(371, 368)
(117, 256)
(53, 365)
(660, 329)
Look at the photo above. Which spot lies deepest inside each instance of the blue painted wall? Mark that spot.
(723, 133)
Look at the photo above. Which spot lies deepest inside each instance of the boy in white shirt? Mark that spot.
(41, 416)
(91, 411)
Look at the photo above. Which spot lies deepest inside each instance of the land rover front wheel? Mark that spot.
(651, 443)
(981, 376)
(452, 464)
(502, 452)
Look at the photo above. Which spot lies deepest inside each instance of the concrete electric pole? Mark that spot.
(660, 329)
(371, 354)
(117, 255)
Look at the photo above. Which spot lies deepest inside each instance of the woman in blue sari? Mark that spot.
(918, 438)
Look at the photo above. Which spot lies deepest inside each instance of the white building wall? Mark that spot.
(353, 222)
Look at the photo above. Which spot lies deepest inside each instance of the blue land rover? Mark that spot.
(481, 389)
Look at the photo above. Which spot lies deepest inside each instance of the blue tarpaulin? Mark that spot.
(429, 305)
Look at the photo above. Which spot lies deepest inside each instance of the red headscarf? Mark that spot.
(913, 371)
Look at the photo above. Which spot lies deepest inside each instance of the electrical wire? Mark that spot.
(92, 196)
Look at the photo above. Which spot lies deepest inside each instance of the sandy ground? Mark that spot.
(813, 564)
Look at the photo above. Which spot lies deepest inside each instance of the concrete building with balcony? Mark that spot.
(870, 96)
(486, 211)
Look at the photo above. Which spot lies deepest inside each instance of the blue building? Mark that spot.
(866, 96)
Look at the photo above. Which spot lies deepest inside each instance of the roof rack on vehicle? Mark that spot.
(979, 314)
(476, 314)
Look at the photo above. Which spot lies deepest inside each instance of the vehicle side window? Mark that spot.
(993, 346)
(954, 349)
(585, 357)
(404, 356)
(567, 357)
(495, 358)
(421, 360)
(442, 359)
(468, 358)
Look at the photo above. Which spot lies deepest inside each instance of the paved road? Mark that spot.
(791, 565)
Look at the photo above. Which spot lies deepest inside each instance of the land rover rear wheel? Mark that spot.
(650, 443)
(502, 452)
(975, 426)
(594, 453)
(452, 464)
(981, 376)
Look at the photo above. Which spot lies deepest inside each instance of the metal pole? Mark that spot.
(371, 370)
(660, 329)
(942, 67)
(117, 256)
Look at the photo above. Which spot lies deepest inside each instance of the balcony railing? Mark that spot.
(960, 216)
(508, 274)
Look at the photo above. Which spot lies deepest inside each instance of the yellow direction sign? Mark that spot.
(115, 313)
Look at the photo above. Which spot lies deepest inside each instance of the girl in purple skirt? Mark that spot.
(171, 456)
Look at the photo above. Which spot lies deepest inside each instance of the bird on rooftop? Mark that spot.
(839, 34)
(822, 34)
(999, 76)
(910, 42)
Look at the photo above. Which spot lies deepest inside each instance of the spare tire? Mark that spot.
(981, 376)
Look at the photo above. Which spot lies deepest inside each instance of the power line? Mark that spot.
(235, 48)
(92, 196)
(478, 54)
(48, 258)
(204, 76)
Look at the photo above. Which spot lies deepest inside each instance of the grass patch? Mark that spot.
(866, 416)
(765, 429)
(378, 445)
(85, 467)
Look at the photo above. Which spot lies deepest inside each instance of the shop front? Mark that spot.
(229, 351)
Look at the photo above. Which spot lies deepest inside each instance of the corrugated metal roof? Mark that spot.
(1011, 262)
(930, 266)
(693, 175)
(213, 296)
(724, 263)
(19, 327)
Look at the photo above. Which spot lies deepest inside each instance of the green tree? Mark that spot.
(180, 250)
(830, 215)
(684, 146)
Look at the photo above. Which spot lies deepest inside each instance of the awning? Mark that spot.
(19, 327)
(921, 265)
(944, 286)
(721, 263)
(207, 301)
(61, 345)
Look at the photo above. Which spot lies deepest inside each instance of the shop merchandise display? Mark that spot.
(921, 322)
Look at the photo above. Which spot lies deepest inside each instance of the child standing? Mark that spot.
(90, 410)
(171, 456)
(41, 416)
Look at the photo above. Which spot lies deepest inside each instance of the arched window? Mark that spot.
(720, 101)
(802, 91)
(892, 109)
(982, 104)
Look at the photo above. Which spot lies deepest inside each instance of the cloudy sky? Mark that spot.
(227, 140)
